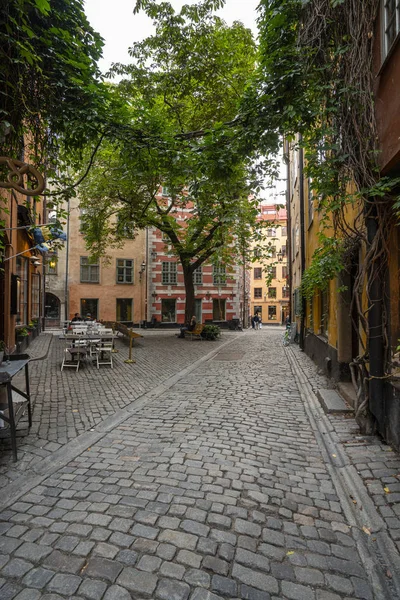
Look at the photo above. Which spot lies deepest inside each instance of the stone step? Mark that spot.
(332, 402)
(348, 393)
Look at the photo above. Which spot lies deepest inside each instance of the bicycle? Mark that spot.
(286, 337)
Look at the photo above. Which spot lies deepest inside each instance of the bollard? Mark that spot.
(130, 360)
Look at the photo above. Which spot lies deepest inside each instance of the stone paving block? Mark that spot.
(102, 568)
(138, 582)
(93, 589)
(64, 584)
(202, 594)
(16, 568)
(197, 578)
(261, 581)
(38, 578)
(249, 593)
(224, 586)
(116, 592)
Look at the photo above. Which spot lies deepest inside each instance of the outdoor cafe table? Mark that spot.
(89, 337)
(8, 370)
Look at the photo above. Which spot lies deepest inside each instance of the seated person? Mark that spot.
(190, 327)
(77, 317)
(88, 317)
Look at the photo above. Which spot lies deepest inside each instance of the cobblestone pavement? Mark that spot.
(217, 487)
(68, 403)
(376, 462)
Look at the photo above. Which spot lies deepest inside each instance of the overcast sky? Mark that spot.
(116, 23)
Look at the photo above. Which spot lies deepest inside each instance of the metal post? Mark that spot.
(130, 360)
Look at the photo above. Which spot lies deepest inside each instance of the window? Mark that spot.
(218, 309)
(35, 296)
(125, 270)
(271, 313)
(125, 227)
(257, 253)
(273, 251)
(324, 313)
(284, 250)
(257, 272)
(257, 292)
(165, 191)
(169, 276)
(284, 231)
(84, 214)
(273, 272)
(124, 310)
(391, 24)
(285, 292)
(219, 275)
(22, 274)
(89, 271)
(272, 292)
(90, 306)
(168, 310)
(197, 309)
(198, 276)
(310, 202)
(51, 263)
(271, 232)
(284, 272)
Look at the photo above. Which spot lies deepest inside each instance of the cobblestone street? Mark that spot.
(205, 471)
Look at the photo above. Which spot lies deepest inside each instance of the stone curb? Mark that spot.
(49, 465)
(45, 355)
(377, 551)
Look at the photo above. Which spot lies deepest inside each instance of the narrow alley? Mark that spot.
(225, 480)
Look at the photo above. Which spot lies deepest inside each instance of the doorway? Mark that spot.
(52, 310)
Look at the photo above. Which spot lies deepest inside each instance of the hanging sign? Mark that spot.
(15, 177)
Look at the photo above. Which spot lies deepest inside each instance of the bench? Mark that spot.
(196, 333)
(121, 328)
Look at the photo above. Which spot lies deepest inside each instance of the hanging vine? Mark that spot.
(318, 81)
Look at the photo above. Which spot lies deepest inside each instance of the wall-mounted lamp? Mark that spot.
(52, 263)
(279, 256)
(153, 254)
(37, 263)
(154, 294)
(208, 296)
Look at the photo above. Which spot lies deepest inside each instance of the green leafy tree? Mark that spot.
(49, 80)
(178, 128)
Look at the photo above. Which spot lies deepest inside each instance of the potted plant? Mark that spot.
(211, 332)
(2, 348)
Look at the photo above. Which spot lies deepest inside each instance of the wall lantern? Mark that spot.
(279, 256)
(208, 296)
(154, 294)
(153, 255)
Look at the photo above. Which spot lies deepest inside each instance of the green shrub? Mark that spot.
(211, 332)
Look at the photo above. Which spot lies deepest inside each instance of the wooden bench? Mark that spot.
(196, 333)
(121, 328)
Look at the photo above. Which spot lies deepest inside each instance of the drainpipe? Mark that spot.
(303, 241)
(289, 236)
(66, 295)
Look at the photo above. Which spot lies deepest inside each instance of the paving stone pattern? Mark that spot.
(69, 403)
(376, 462)
(215, 489)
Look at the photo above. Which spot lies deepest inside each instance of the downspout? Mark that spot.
(289, 234)
(146, 283)
(66, 295)
(302, 241)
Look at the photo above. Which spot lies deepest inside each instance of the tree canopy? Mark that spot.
(177, 130)
(49, 80)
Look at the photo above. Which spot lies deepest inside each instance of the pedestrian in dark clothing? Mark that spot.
(190, 327)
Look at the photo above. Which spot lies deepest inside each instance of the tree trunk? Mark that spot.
(189, 289)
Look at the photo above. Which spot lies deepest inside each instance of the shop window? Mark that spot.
(90, 306)
(271, 313)
(35, 296)
(219, 309)
(168, 309)
(124, 310)
(22, 293)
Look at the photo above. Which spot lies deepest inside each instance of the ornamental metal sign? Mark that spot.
(17, 170)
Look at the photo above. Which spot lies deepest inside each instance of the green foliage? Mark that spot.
(327, 262)
(185, 84)
(48, 76)
(211, 332)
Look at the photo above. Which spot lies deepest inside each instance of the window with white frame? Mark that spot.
(219, 275)
(169, 275)
(391, 24)
(89, 271)
(198, 276)
(125, 270)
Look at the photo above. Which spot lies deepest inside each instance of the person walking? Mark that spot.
(256, 320)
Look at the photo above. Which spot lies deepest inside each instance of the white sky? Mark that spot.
(116, 23)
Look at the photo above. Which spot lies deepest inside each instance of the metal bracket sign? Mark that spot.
(15, 177)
